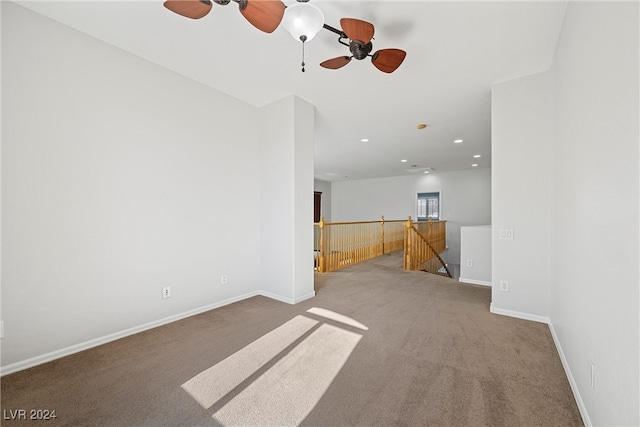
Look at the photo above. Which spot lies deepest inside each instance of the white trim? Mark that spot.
(291, 301)
(572, 382)
(277, 297)
(415, 204)
(306, 297)
(57, 354)
(519, 315)
(475, 282)
(567, 370)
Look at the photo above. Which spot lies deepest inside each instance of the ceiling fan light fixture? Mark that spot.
(303, 21)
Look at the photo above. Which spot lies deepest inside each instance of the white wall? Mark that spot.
(520, 164)
(304, 131)
(1, 221)
(594, 305)
(565, 159)
(465, 198)
(286, 195)
(120, 177)
(475, 248)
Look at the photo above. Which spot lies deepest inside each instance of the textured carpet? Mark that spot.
(377, 346)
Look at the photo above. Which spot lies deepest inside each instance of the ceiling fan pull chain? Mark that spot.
(303, 39)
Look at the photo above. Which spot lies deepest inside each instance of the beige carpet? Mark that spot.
(377, 346)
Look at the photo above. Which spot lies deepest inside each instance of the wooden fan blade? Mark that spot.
(194, 9)
(388, 60)
(335, 63)
(265, 15)
(356, 29)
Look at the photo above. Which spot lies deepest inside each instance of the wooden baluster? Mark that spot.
(358, 244)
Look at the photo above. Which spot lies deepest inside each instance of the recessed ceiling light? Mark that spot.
(458, 141)
(421, 126)
(477, 156)
(404, 160)
(474, 165)
(426, 172)
(364, 140)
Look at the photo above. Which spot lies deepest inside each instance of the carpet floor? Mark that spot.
(377, 346)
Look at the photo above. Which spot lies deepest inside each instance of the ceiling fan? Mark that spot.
(360, 33)
(265, 15)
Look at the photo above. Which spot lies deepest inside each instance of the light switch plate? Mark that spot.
(506, 234)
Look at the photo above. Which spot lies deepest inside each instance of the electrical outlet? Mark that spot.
(504, 285)
(166, 292)
(469, 263)
(224, 279)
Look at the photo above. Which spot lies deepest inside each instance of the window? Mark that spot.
(428, 206)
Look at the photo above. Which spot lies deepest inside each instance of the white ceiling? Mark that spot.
(455, 51)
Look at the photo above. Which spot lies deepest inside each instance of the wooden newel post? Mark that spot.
(323, 265)
(407, 244)
(382, 234)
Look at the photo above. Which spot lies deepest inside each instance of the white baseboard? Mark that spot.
(306, 297)
(519, 315)
(572, 382)
(574, 387)
(277, 297)
(475, 282)
(57, 354)
(291, 301)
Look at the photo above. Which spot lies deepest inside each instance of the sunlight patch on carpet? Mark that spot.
(323, 312)
(291, 388)
(214, 383)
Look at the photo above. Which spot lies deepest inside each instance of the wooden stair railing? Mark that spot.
(419, 253)
(340, 244)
